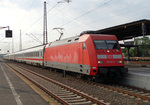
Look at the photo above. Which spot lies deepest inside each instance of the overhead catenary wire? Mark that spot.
(78, 22)
(42, 16)
(105, 3)
(35, 22)
(76, 18)
(34, 38)
(39, 20)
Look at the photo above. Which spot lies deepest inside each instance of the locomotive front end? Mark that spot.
(109, 56)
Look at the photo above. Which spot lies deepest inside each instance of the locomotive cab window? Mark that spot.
(100, 44)
(112, 44)
(106, 44)
(84, 46)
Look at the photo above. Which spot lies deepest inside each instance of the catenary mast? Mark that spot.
(45, 39)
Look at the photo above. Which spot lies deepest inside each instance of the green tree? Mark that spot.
(131, 52)
(124, 51)
(143, 47)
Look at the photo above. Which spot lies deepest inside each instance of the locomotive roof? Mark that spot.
(69, 40)
(64, 41)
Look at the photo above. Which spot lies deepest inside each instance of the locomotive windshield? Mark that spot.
(106, 44)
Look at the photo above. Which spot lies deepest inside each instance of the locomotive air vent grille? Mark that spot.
(69, 40)
(76, 39)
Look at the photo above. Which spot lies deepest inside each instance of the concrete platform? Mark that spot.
(14, 91)
(130, 64)
(138, 77)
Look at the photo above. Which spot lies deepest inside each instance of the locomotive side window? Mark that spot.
(84, 46)
(100, 44)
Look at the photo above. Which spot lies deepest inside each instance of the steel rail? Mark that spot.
(40, 86)
(126, 91)
(99, 102)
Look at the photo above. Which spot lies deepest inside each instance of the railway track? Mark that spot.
(64, 94)
(128, 90)
(141, 96)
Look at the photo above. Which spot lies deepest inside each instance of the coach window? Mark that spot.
(41, 54)
(37, 54)
(84, 46)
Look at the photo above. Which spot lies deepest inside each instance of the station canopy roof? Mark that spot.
(126, 31)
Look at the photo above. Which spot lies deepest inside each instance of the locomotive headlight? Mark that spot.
(119, 62)
(101, 62)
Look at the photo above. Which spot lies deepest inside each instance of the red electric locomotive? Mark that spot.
(94, 55)
(89, 54)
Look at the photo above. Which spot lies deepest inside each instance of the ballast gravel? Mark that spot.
(109, 96)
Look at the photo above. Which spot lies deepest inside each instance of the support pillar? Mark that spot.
(128, 54)
(64, 73)
(143, 28)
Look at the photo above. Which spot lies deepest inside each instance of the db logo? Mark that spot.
(109, 56)
(110, 61)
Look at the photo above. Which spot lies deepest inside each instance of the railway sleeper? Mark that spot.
(129, 89)
(62, 92)
(82, 103)
(146, 94)
(140, 92)
(134, 91)
(71, 98)
(76, 100)
(64, 96)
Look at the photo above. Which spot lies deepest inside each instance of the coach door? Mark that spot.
(84, 54)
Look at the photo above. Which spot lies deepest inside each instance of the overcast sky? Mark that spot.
(74, 17)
